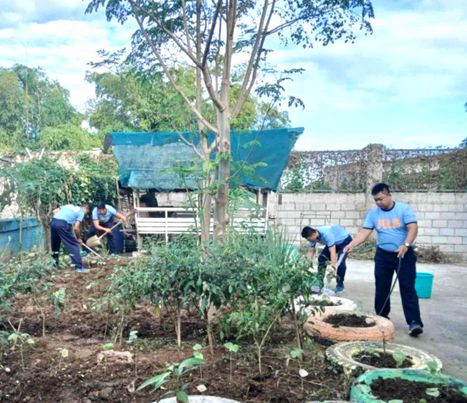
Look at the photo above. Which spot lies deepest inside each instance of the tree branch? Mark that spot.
(253, 63)
(171, 79)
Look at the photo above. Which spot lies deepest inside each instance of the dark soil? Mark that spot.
(43, 375)
(381, 360)
(349, 320)
(414, 392)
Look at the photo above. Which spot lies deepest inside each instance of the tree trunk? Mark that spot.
(223, 170)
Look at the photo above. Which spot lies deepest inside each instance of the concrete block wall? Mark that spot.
(442, 217)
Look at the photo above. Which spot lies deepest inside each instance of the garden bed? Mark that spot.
(64, 365)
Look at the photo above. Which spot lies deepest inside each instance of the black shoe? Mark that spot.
(415, 329)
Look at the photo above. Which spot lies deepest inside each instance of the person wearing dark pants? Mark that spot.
(103, 219)
(396, 227)
(335, 238)
(65, 227)
(386, 264)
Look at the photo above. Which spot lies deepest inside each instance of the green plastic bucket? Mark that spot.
(424, 285)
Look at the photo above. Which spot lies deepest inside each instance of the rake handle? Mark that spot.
(111, 228)
(92, 251)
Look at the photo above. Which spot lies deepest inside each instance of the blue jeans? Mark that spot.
(386, 264)
(61, 231)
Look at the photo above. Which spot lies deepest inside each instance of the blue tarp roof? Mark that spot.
(148, 160)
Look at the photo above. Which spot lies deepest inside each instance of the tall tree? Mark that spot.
(30, 102)
(208, 34)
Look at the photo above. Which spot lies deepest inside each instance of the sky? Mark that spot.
(404, 86)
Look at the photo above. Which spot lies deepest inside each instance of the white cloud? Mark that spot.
(404, 86)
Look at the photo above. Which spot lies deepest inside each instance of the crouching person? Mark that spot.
(103, 219)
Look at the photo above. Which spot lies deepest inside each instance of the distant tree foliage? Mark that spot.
(35, 111)
(130, 101)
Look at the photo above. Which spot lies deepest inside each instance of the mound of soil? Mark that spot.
(381, 360)
(349, 320)
(415, 392)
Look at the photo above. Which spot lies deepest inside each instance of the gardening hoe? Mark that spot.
(92, 251)
(96, 240)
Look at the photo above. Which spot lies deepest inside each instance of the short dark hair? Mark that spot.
(307, 231)
(101, 205)
(380, 187)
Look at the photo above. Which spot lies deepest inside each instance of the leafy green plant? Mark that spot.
(232, 348)
(175, 373)
(58, 300)
(399, 357)
(17, 338)
(63, 355)
(132, 339)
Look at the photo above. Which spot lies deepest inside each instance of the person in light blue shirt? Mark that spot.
(103, 219)
(65, 227)
(396, 226)
(334, 238)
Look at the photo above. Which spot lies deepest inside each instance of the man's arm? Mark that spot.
(412, 231)
(77, 230)
(361, 237)
(333, 255)
(120, 216)
(100, 227)
(311, 253)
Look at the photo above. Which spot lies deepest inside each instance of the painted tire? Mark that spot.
(361, 388)
(383, 329)
(340, 356)
(346, 305)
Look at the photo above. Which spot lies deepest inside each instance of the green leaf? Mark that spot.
(182, 396)
(232, 347)
(156, 381)
(432, 392)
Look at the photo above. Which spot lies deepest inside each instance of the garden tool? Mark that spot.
(92, 251)
(96, 240)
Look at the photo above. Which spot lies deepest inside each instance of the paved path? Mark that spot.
(444, 314)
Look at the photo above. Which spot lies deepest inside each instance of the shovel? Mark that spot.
(96, 240)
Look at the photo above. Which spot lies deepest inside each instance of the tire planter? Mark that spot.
(201, 399)
(383, 329)
(361, 388)
(341, 355)
(345, 305)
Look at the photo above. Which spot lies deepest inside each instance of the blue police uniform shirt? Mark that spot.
(390, 225)
(331, 235)
(70, 213)
(110, 212)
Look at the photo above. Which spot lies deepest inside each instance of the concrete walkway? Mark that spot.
(444, 315)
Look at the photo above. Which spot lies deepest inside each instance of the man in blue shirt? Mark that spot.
(65, 227)
(396, 226)
(103, 219)
(335, 238)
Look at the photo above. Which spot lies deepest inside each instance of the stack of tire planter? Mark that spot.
(361, 388)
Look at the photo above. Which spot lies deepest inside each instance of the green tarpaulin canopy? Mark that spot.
(150, 160)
